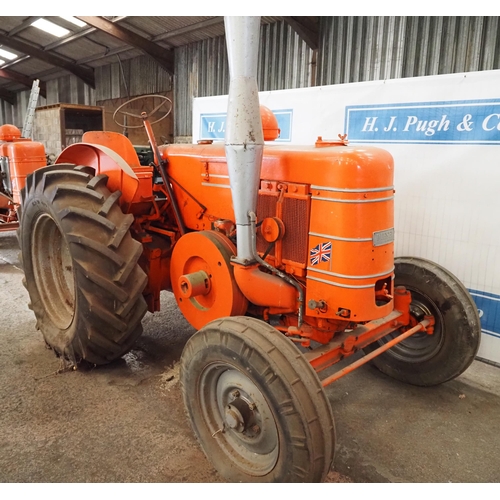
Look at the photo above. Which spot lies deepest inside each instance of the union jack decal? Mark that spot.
(321, 253)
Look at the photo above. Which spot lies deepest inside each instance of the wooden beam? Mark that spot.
(305, 31)
(163, 57)
(8, 96)
(23, 79)
(85, 74)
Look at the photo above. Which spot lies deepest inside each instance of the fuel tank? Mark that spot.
(336, 204)
(24, 157)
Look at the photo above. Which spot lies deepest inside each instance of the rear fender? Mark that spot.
(105, 161)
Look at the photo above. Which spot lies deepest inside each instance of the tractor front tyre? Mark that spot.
(80, 264)
(423, 359)
(256, 405)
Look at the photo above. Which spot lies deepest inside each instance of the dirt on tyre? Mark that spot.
(80, 264)
(423, 359)
(256, 405)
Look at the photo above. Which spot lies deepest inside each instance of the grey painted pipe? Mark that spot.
(244, 141)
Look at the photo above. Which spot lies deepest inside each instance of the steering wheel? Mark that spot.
(164, 100)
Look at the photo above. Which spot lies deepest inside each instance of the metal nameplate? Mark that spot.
(383, 237)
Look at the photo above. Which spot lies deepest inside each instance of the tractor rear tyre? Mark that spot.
(80, 264)
(256, 405)
(423, 359)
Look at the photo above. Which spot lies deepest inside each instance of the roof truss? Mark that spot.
(23, 79)
(162, 56)
(306, 29)
(8, 96)
(85, 74)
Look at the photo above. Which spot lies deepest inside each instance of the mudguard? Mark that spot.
(111, 154)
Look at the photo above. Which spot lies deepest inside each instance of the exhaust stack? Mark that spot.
(244, 141)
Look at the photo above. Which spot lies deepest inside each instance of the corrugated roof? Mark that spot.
(128, 54)
(155, 26)
(8, 23)
(32, 66)
(89, 47)
(35, 36)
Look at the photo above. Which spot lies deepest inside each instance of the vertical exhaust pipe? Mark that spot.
(244, 141)
(244, 147)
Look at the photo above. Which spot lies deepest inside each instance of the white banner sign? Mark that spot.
(444, 134)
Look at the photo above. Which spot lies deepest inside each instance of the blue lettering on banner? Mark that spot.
(443, 122)
(213, 125)
(488, 305)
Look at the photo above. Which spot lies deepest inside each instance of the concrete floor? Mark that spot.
(125, 422)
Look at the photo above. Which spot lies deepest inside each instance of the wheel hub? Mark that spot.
(237, 408)
(234, 419)
(421, 346)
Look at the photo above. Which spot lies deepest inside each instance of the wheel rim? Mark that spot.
(420, 346)
(239, 417)
(53, 271)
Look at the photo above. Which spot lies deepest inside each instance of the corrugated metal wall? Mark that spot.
(355, 49)
(137, 76)
(201, 69)
(141, 76)
(66, 89)
(352, 49)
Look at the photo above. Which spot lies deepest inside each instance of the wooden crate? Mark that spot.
(58, 125)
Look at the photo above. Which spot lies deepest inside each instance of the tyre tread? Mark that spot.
(306, 404)
(111, 312)
(461, 326)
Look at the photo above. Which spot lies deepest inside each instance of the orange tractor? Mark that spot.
(280, 256)
(18, 157)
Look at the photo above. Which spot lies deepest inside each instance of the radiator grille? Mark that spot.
(295, 217)
(296, 220)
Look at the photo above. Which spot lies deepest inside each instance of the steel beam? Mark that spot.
(15, 61)
(162, 56)
(25, 24)
(77, 35)
(306, 30)
(8, 96)
(112, 52)
(189, 29)
(157, 38)
(23, 79)
(85, 74)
